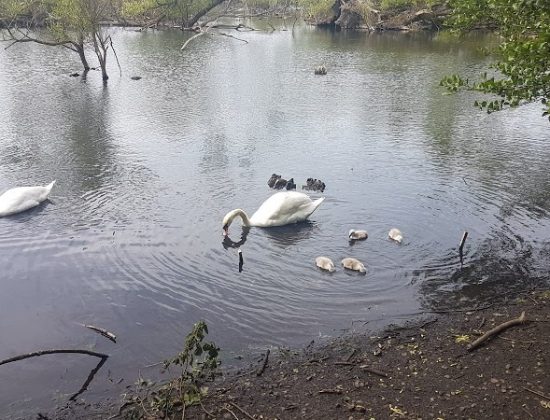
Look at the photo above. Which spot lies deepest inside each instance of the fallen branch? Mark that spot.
(54, 351)
(495, 331)
(264, 365)
(102, 331)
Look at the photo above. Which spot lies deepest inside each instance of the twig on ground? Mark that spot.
(330, 391)
(371, 370)
(344, 363)
(316, 361)
(353, 353)
(540, 394)
(496, 330)
(226, 408)
(530, 415)
(242, 411)
(209, 413)
(452, 311)
(481, 324)
(264, 364)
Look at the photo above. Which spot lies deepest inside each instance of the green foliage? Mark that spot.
(400, 4)
(316, 9)
(523, 57)
(198, 362)
(183, 12)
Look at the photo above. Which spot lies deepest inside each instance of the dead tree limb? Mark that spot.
(494, 331)
(54, 351)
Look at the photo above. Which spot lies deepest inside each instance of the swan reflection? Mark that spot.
(229, 243)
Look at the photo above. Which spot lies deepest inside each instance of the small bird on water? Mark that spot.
(324, 263)
(354, 264)
(358, 235)
(396, 235)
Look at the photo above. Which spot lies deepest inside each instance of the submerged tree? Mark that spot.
(72, 24)
(522, 71)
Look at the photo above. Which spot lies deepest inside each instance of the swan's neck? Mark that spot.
(237, 213)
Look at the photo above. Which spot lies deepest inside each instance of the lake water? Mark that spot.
(131, 239)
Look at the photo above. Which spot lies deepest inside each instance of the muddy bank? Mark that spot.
(421, 369)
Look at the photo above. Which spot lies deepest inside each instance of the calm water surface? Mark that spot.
(131, 239)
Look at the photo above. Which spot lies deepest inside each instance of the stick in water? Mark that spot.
(461, 246)
(241, 261)
(102, 331)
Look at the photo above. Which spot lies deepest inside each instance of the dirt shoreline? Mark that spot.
(418, 370)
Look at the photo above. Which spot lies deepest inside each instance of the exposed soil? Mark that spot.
(418, 370)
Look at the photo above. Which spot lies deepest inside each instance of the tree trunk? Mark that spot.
(82, 55)
(202, 12)
(101, 53)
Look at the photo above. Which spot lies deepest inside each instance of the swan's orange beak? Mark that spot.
(225, 230)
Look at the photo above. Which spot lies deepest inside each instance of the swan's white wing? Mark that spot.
(284, 208)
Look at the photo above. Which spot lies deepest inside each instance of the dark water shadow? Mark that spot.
(501, 268)
(289, 235)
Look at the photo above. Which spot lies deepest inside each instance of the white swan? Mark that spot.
(354, 264)
(358, 235)
(282, 208)
(324, 263)
(396, 235)
(19, 199)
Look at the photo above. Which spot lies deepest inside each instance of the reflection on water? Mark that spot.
(146, 170)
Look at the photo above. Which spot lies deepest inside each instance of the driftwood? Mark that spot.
(102, 331)
(264, 365)
(494, 331)
(54, 351)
